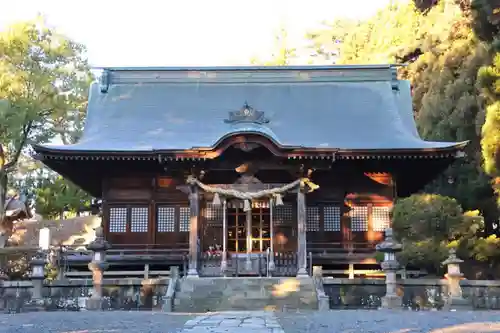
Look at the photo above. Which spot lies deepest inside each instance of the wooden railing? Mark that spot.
(74, 256)
(372, 273)
(146, 274)
(127, 250)
(341, 247)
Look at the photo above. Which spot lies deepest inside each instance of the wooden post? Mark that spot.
(223, 264)
(271, 266)
(301, 237)
(194, 208)
(248, 262)
(351, 271)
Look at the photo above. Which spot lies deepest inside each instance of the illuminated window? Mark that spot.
(359, 218)
(380, 218)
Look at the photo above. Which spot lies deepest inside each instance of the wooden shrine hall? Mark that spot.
(227, 164)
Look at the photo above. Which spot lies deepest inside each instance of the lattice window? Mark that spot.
(331, 218)
(312, 218)
(359, 218)
(166, 219)
(213, 213)
(184, 218)
(283, 215)
(117, 219)
(139, 218)
(380, 218)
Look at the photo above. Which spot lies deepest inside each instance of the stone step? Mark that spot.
(223, 294)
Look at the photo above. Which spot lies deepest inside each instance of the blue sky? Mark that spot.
(183, 33)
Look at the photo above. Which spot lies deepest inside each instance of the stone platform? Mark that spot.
(244, 294)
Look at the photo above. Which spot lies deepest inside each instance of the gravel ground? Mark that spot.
(384, 321)
(93, 322)
(318, 322)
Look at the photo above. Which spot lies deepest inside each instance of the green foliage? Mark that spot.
(487, 248)
(43, 86)
(51, 272)
(485, 22)
(425, 224)
(489, 81)
(443, 56)
(421, 216)
(56, 195)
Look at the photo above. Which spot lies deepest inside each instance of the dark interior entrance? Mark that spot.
(242, 236)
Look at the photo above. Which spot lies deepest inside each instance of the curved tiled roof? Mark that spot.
(338, 107)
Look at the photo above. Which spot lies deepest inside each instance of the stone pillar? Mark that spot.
(301, 233)
(389, 247)
(97, 266)
(44, 239)
(194, 206)
(38, 274)
(454, 299)
(323, 299)
(223, 263)
(271, 265)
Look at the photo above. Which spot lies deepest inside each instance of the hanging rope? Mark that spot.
(253, 195)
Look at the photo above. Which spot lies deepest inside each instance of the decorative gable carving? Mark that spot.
(247, 114)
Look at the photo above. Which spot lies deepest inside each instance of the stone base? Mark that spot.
(168, 305)
(192, 273)
(323, 303)
(93, 304)
(392, 302)
(302, 273)
(457, 303)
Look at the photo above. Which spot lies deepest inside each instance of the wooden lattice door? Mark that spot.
(285, 234)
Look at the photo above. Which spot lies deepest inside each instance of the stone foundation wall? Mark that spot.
(70, 295)
(417, 294)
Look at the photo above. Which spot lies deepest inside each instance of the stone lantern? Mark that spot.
(97, 266)
(38, 274)
(455, 299)
(389, 247)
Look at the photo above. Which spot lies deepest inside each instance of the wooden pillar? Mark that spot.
(271, 266)
(248, 262)
(223, 264)
(301, 236)
(194, 208)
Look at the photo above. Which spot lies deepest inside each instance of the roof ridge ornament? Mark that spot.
(246, 114)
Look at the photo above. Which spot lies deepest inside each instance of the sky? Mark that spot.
(183, 32)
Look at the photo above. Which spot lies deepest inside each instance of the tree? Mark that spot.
(427, 224)
(55, 195)
(489, 78)
(42, 75)
(487, 27)
(444, 56)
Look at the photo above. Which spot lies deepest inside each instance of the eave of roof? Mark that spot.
(445, 152)
(310, 110)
